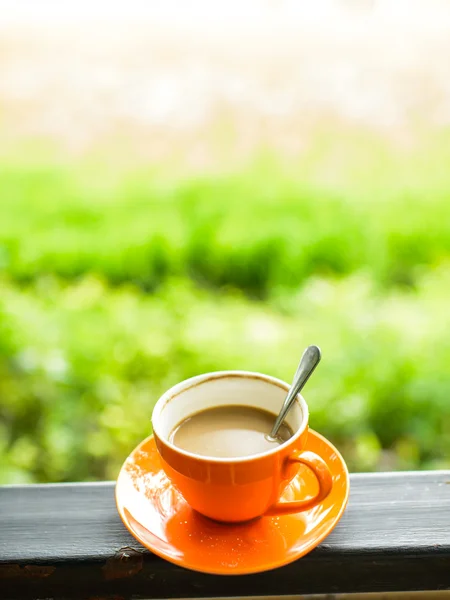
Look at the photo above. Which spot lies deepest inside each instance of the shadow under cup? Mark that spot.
(235, 489)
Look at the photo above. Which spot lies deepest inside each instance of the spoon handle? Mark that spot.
(308, 363)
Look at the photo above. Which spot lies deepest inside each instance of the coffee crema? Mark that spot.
(228, 432)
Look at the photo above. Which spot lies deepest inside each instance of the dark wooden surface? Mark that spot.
(67, 541)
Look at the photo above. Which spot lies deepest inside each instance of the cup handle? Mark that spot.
(320, 469)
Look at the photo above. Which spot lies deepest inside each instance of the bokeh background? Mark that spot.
(188, 186)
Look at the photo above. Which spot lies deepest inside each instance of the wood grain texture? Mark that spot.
(67, 541)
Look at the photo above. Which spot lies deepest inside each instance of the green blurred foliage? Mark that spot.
(112, 292)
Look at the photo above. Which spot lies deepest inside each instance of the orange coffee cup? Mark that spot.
(236, 489)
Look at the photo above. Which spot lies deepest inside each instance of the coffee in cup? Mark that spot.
(229, 432)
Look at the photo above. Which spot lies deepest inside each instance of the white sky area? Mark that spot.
(77, 69)
(202, 13)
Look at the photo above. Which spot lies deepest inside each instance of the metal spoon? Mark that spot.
(309, 361)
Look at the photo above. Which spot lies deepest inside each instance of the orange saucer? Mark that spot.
(161, 520)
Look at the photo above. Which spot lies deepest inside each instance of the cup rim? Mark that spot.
(196, 380)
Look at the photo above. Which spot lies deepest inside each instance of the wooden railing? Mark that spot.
(67, 541)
